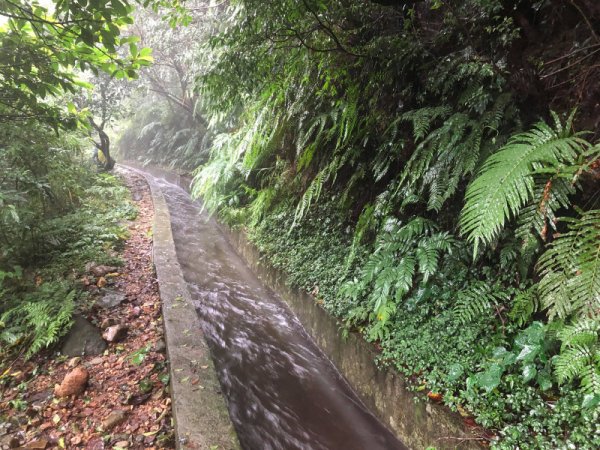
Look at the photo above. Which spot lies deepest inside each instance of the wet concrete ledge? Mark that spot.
(418, 423)
(199, 409)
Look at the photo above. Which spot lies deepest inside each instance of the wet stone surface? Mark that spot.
(83, 339)
(110, 299)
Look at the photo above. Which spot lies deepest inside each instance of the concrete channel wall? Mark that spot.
(200, 411)
(418, 423)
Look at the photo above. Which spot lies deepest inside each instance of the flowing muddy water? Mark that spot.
(282, 391)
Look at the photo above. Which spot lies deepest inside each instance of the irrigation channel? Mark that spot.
(282, 391)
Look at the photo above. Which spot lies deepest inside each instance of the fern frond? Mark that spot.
(404, 256)
(148, 132)
(570, 269)
(572, 362)
(549, 196)
(505, 182)
(443, 158)
(310, 196)
(313, 192)
(365, 223)
(582, 332)
(525, 304)
(261, 204)
(580, 354)
(427, 257)
(416, 227)
(41, 319)
(403, 275)
(423, 118)
(310, 140)
(475, 301)
(590, 381)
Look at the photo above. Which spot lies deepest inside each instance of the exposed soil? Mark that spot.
(126, 403)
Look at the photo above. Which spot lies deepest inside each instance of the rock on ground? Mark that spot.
(110, 299)
(83, 339)
(114, 418)
(100, 271)
(9, 441)
(115, 333)
(74, 383)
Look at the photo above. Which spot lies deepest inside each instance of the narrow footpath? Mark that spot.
(116, 394)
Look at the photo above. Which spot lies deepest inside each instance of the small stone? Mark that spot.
(160, 346)
(115, 333)
(95, 443)
(122, 444)
(19, 376)
(40, 396)
(96, 361)
(110, 299)
(35, 421)
(73, 362)
(157, 395)
(139, 438)
(114, 418)
(74, 383)
(100, 271)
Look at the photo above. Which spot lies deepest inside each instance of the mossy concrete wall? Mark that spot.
(418, 423)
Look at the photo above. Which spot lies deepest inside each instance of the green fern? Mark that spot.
(366, 222)
(442, 159)
(404, 255)
(311, 195)
(549, 196)
(40, 320)
(477, 300)
(524, 305)
(423, 118)
(506, 182)
(580, 355)
(570, 269)
(261, 204)
(313, 192)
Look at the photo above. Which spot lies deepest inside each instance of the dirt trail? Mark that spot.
(126, 402)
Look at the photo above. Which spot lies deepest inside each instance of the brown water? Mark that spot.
(282, 392)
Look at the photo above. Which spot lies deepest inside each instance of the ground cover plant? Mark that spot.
(60, 215)
(55, 212)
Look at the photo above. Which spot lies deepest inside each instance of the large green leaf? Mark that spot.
(505, 183)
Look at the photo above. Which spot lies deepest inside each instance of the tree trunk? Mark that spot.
(103, 145)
